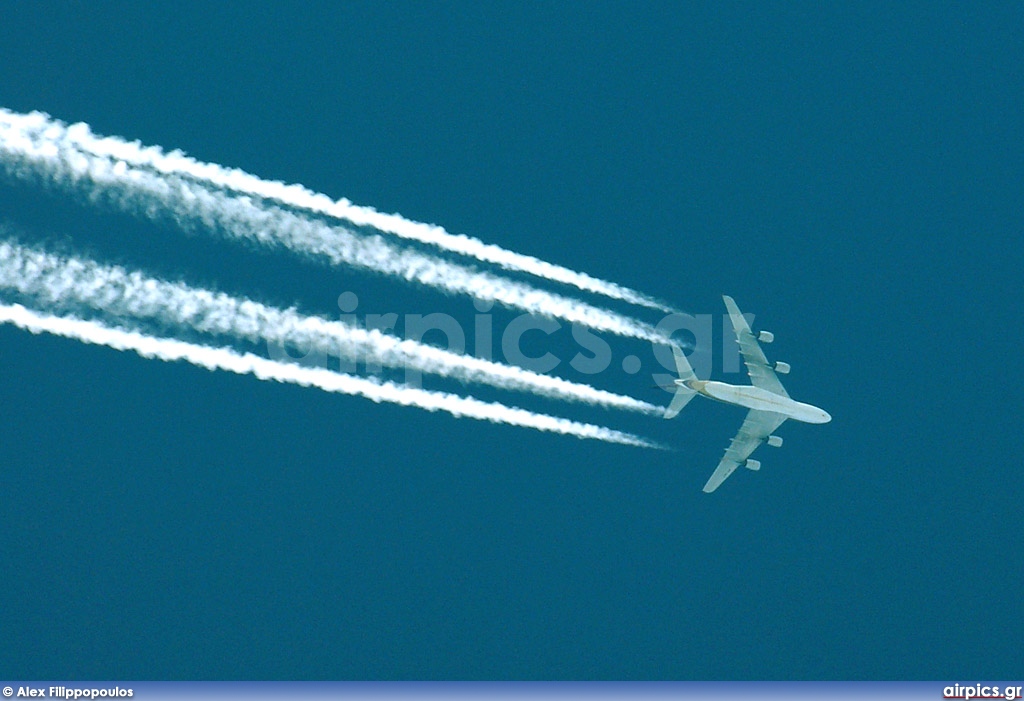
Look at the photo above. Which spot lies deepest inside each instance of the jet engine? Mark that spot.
(781, 367)
(752, 464)
(775, 441)
(765, 337)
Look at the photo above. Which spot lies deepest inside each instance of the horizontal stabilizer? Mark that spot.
(682, 364)
(682, 398)
(683, 394)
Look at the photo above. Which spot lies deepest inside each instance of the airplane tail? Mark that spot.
(683, 394)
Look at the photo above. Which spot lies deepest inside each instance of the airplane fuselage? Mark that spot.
(756, 398)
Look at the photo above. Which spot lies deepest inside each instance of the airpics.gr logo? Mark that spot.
(980, 691)
(591, 353)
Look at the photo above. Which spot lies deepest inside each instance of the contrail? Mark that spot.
(45, 153)
(248, 364)
(299, 197)
(68, 283)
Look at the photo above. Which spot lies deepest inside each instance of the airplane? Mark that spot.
(769, 403)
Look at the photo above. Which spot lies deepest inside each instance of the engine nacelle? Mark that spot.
(781, 367)
(775, 441)
(752, 464)
(765, 337)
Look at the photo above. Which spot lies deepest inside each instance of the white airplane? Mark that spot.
(768, 401)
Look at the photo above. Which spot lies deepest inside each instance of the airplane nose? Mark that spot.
(825, 417)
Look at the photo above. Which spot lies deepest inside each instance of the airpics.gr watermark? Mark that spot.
(981, 691)
(593, 354)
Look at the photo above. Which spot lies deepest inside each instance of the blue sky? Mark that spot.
(851, 176)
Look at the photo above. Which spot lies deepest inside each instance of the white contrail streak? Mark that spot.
(248, 364)
(293, 195)
(43, 150)
(75, 282)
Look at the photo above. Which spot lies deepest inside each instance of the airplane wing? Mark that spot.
(761, 373)
(756, 427)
